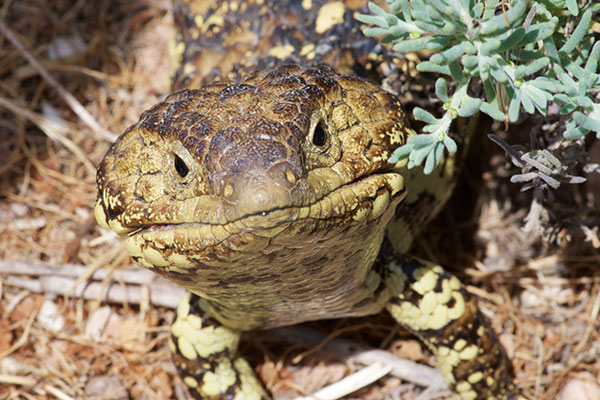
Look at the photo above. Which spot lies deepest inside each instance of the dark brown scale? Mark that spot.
(235, 90)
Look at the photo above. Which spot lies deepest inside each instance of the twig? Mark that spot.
(57, 392)
(61, 279)
(72, 102)
(132, 275)
(162, 293)
(350, 384)
(591, 326)
(17, 380)
(22, 340)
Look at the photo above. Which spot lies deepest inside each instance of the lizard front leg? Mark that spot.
(434, 305)
(204, 352)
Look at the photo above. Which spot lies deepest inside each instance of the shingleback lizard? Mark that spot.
(262, 185)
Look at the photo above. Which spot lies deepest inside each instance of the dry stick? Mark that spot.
(22, 340)
(17, 380)
(72, 102)
(131, 275)
(161, 292)
(60, 280)
(351, 383)
(59, 394)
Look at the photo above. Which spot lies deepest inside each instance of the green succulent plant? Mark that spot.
(525, 54)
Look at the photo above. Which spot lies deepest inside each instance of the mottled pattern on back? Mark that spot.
(227, 39)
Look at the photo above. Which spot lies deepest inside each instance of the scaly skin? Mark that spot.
(270, 198)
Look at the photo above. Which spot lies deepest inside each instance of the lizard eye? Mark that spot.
(319, 135)
(180, 166)
(321, 144)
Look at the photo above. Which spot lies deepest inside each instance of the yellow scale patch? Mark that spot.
(100, 215)
(250, 389)
(194, 341)
(329, 15)
(308, 51)
(217, 382)
(449, 358)
(432, 311)
(380, 204)
(465, 391)
(282, 52)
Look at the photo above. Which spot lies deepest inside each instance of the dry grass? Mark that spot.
(543, 299)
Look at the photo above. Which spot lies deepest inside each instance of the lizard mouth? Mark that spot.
(353, 203)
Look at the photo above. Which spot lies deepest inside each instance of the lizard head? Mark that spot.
(289, 158)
